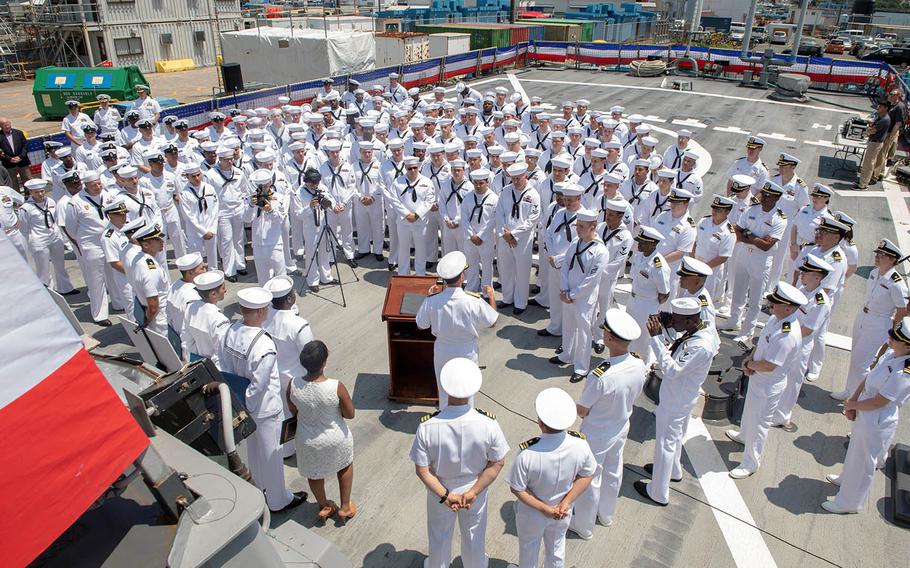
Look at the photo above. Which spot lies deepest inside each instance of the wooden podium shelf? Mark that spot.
(412, 377)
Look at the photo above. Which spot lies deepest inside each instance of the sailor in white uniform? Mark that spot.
(164, 185)
(458, 452)
(85, 222)
(151, 282)
(813, 317)
(873, 408)
(230, 185)
(516, 218)
(455, 317)
(312, 217)
(204, 325)
(750, 165)
(808, 218)
(559, 234)
(415, 196)
(366, 183)
(684, 366)
(478, 221)
(449, 199)
(269, 211)
(884, 306)
(198, 204)
(678, 229)
(767, 366)
(650, 286)
(605, 406)
(38, 224)
(693, 275)
(618, 240)
(337, 176)
(714, 243)
(550, 472)
(249, 353)
(290, 332)
(182, 294)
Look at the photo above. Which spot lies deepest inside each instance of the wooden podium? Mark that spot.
(412, 377)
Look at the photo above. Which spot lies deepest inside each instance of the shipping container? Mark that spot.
(535, 31)
(54, 86)
(587, 26)
(397, 48)
(448, 43)
(569, 33)
(482, 36)
(517, 34)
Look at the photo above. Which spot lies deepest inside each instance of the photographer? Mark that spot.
(877, 134)
(268, 220)
(314, 199)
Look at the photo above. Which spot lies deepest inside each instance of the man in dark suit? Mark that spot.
(14, 153)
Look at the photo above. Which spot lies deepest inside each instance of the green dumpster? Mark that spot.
(55, 85)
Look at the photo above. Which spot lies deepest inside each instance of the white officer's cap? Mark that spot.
(460, 377)
(813, 263)
(787, 294)
(693, 267)
(452, 264)
(556, 408)
(622, 325)
(741, 182)
(648, 235)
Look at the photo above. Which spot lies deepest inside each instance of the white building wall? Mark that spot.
(736, 9)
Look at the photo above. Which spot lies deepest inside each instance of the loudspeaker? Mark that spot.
(864, 7)
(233, 78)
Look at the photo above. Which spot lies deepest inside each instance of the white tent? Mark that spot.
(281, 56)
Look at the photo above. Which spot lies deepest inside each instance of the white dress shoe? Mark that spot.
(840, 395)
(740, 473)
(581, 535)
(735, 436)
(603, 523)
(833, 479)
(811, 377)
(832, 508)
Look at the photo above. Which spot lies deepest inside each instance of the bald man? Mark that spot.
(14, 153)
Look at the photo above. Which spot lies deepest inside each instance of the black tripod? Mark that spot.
(333, 244)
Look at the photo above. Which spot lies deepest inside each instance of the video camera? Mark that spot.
(313, 177)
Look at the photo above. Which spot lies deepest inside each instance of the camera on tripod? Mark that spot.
(263, 196)
(313, 177)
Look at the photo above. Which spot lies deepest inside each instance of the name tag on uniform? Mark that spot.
(644, 273)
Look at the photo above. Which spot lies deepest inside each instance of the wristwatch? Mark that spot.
(444, 497)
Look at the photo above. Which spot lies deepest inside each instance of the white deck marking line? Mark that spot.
(746, 544)
(776, 136)
(653, 118)
(825, 126)
(428, 96)
(690, 122)
(866, 193)
(900, 214)
(731, 130)
(822, 143)
(687, 93)
(516, 86)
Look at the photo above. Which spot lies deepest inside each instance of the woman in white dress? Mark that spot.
(324, 442)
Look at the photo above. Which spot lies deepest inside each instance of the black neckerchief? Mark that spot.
(585, 166)
(682, 338)
(594, 184)
(636, 196)
(365, 174)
(578, 253)
(335, 175)
(434, 176)
(99, 207)
(680, 181)
(141, 203)
(203, 203)
(553, 213)
(515, 202)
(412, 188)
(678, 158)
(540, 142)
(657, 204)
(478, 207)
(567, 225)
(47, 215)
(455, 190)
(613, 233)
(616, 165)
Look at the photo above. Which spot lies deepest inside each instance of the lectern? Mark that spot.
(412, 377)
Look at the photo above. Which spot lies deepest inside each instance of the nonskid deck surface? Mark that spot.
(711, 520)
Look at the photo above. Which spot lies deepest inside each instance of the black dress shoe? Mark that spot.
(360, 255)
(299, 499)
(533, 302)
(500, 305)
(649, 467)
(243, 272)
(393, 267)
(314, 288)
(72, 292)
(544, 333)
(535, 289)
(378, 256)
(352, 262)
(642, 487)
(497, 286)
(576, 378)
(599, 348)
(559, 350)
(231, 278)
(557, 361)
(518, 311)
(104, 323)
(429, 266)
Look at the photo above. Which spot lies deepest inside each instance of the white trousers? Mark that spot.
(480, 265)
(317, 267)
(554, 326)
(543, 271)
(289, 262)
(640, 309)
(92, 263)
(266, 464)
(121, 292)
(576, 334)
(270, 262)
(369, 227)
(432, 236)
(229, 229)
(716, 283)
(751, 273)
(207, 248)
(174, 230)
(868, 440)
(515, 270)
(599, 500)
(472, 523)
(795, 377)
(533, 529)
(412, 234)
(817, 354)
(672, 423)
(780, 264)
(54, 256)
(451, 239)
(342, 224)
(391, 215)
(18, 241)
(604, 302)
(761, 403)
(870, 331)
(443, 352)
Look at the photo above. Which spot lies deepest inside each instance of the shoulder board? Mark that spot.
(426, 417)
(907, 367)
(151, 264)
(489, 415)
(575, 434)
(475, 294)
(800, 181)
(109, 232)
(730, 228)
(819, 298)
(706, 216)
(527, 444)
(836, 255)
(704, 300)
(781, 213)
(691, 221)
(601, 369)
(634, 354)
(786, 327)
(896, 277)
(657, 262)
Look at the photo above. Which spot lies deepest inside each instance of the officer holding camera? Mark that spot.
(314, 200)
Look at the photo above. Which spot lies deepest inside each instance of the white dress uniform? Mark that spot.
(141, 204)
(516, 211)
(547, 466)
(107, 120)
(290, 333)
(560, 234)
(778, 343)
(151, 279)
(885, 294)
(712, 241)
(164, 188)
(181, 295)
(873, 430)
(267, 237)
(416, 197)
(478, 218)
(449, 199)
(814, 316)
(684, 366)
(579, 278)
(650, 276)
(609, 394)
(653, 206)
(204, 327)
(294, 172)
(794, 198)
(367, 182)
(113, 242)
(231, 188)
(757, 171)
(806, 221)
(250, 353)
(679, 236)
(636, 194)
(833, 284)
(456, 444)
(390, 171)
(38, 224)
(86, 222)
(619, 244)
(338, 180)
(752, 266)
(455, 318)
(592, 186)
(199, 210)
(147, 108)
(437, 176)
(691, 182)
(312, 220)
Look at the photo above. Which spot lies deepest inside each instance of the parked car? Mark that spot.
(835, 46)
(890, 55)
(808, 46)
(759, 34)
(737, 33)
(864, 43)
(848, 42)
(779, 37)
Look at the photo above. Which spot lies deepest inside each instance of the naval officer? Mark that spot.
(182, 294)
(249, 353)
(873, 409)
(550, 472)
(767, 366)
(618, 240)
(457, 453)
(605, 406)
(684, 366)
(650, 285)
(151, 282)
(455, 317)
(204, 325)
